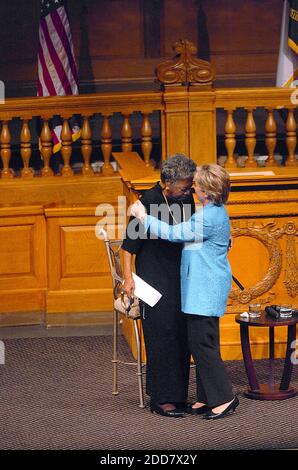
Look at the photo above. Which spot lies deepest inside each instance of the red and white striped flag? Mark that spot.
(57, 70)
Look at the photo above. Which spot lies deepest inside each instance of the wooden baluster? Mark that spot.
(106, 145)
(291, 139)
(5, 139)
(250, 138)
(46, 148)
(26, 150)
(230, 139)
(86, 146)
(270, 139)
(66, 149)
(146, 133)
(126, 135)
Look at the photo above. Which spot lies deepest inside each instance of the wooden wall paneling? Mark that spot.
(83, 259)
(152, 17)
(77, 302)
(240, 43)
(53, 253)
(79, 276)
(202, 126)
(71, 190)
(116, 28)
(180, 22)
(23, 260)
(116, 37)
(113, 48)
(49, 250)
(16, 317)
(16, 249)
(18, 40)
(176, 120)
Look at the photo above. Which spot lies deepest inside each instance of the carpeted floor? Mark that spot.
(55, 393)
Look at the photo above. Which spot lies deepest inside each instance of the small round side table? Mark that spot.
(270, 390)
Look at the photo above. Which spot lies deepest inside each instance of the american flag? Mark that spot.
(57, 70)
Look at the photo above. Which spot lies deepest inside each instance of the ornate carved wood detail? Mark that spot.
(185, 68)
(267, 234)
(291, 273)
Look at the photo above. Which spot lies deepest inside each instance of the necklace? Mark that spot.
(171, 212)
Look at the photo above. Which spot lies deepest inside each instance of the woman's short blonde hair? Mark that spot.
(214, 180)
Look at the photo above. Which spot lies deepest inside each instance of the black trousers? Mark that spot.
(168, 357)
(213, 385)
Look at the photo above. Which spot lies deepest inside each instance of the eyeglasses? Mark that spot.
(186, 190)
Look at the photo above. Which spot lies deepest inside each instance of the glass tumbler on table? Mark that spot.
(254, 310)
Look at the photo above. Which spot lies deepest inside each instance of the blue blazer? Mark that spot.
(205, 270)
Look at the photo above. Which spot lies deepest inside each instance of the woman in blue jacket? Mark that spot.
(205, 284)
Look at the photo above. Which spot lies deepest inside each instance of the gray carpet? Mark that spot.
(55, 393)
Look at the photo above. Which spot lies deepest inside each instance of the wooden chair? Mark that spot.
(112, 249)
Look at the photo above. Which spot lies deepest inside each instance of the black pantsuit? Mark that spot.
(164, 325)
(213, 385)
(165, 335)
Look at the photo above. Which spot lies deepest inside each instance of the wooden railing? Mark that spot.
(87, 106)
(180, 112)
(273, 100)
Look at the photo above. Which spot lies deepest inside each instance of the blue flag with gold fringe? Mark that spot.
(293, 26)
(287, 69)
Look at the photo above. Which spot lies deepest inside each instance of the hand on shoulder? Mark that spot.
(138, 210)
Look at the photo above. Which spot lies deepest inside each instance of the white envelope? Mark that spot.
(145, 292)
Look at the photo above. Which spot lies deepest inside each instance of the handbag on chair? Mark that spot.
(129, 306)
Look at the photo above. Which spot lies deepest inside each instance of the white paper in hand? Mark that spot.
(145, 292)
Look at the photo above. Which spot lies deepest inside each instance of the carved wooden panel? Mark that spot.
(22, 252)
(79, 275)
(81, 252)
(176, 121)
(270, 276)
(22, 262)
(16, 246)
(185, 68)
(201, 123)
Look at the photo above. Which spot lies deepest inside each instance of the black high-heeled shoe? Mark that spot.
(197, 411)
(175, 413)
(231, 407)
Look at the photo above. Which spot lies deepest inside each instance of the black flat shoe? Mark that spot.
(232, 407)
(181, 405)
(197, 411)
(175, 413)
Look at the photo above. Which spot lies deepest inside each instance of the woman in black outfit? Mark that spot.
(158, 263)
